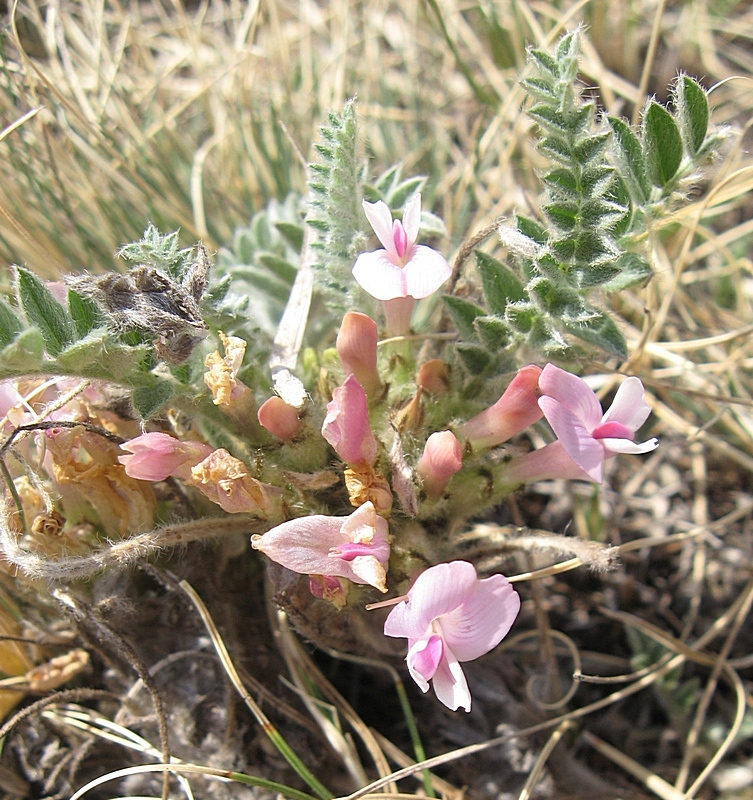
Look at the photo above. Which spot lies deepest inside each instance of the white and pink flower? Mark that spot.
(450, 616)
(586, 434)
(354, 547)
(402, 272)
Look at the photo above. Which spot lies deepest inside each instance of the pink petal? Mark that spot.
(412, 218)
(424, 658)
(626, 446)
(365, 526)
(573, 393)
(437, 591)
(346, 425)
(612, 430)
(629, 407)
(587, 452)
(425, 272)
(483, 620)
(547, 463)
(379, 276)
(303, 545)
(357, 348)
(380, 219)
(450, 685)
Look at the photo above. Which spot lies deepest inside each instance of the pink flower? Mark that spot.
(156, 456)
(450, 616)
(357, 349)
(402, 268)
(346, 425)
(586, 435)
(511, 414)
(354, 547)
(441, 459)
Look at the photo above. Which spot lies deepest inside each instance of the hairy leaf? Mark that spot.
(10, 324)
(463, 313)
(662, 144)
(501, 286)
(693, 112)
(43, 311)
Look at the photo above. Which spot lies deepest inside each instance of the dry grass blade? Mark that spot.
(649, 779)
(269, 729)
(305, 676)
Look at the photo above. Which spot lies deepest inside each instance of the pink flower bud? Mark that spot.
(512, 413)
(357, 348)
(327, 587)
(280, 419)
(346, 425)
(156, 456)
(441, 459)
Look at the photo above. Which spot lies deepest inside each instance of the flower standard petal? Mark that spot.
(303, 544)
(580, 445)
(412, 218)
(425, 272)
(437, 591)
(573, 393)
(380, 219)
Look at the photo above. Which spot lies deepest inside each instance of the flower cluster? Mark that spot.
(351, 487)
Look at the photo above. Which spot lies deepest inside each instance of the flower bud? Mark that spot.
(434, 376)
(280, 419)
(346, 426)
(357, 349)
(441, 459)
(157, 456)
(512, 413)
